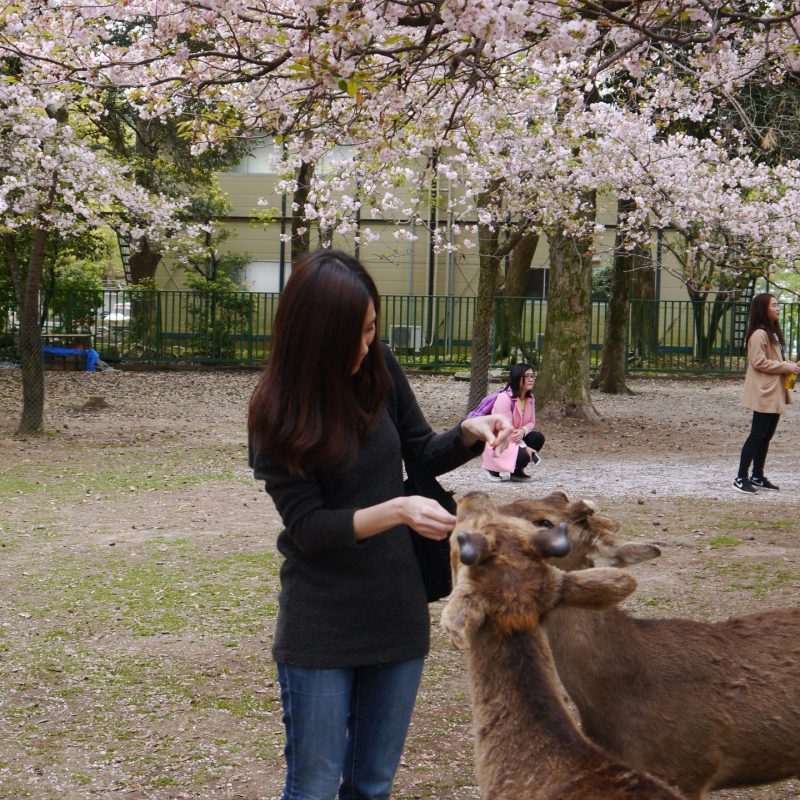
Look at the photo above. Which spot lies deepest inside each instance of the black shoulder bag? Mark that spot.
(433, 555)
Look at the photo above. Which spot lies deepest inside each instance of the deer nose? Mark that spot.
(553, 542)
(469, 552)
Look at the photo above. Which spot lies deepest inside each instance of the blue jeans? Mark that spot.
(345, 728)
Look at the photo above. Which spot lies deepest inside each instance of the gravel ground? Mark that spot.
(671, 438)
(138, 574)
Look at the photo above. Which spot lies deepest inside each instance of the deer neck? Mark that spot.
(590, 646)
(518, 714)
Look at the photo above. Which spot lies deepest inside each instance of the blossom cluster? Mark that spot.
(498, 113)
(52, 179)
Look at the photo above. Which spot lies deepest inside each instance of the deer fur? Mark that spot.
(527, 746)
(702, 705)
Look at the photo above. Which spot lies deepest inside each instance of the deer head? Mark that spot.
(593, 538)
(501, 577)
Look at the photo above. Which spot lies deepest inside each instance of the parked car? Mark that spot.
(119, 316)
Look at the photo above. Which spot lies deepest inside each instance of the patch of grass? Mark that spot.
(719, 542)
(759, 579)
(152, 597)
(162, 781)
(243, 706)
(11, 485)
(735, 522)
(108, 477)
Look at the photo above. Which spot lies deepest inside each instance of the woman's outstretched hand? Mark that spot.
(494, 429)
(427, 517)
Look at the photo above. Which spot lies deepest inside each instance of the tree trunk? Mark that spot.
(610, 377)
(563, 383)
(516, 280)
(484, 316)
(30, 334)
(144, 261)
(644, 308)
(301, 233)
(707, 317)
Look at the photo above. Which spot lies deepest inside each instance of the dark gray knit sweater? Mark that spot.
(345, 603)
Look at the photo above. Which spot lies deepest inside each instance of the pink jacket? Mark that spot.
(512, 408)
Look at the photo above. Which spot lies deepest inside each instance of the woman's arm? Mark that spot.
(757, 346)
(311, 526)
(504, 406)
(422, 514)
(314, 528)
(441, 452)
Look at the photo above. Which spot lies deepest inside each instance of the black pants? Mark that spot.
(756, 446)
(535, 441)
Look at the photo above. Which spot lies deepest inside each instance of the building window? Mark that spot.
(337, 157)
(538, 282)
(263, 159)
(264, 276)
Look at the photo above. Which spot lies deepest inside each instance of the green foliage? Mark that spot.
(601, 282)
(217, 309)
(8, 313)
(207, 266)
(74, 271)
(78, 292)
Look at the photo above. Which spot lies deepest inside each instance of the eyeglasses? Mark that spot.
(529, 375)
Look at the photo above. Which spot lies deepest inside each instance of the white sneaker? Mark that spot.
(493, 476)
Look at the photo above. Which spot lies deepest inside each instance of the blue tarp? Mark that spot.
(92, 356)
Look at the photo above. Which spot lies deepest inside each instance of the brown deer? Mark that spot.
(527, 746)
(702, 705)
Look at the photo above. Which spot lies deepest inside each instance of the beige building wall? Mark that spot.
(399, 266)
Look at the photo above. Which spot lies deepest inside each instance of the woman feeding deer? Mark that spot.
(327, 423)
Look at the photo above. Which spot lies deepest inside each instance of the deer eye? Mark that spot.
(543, 523)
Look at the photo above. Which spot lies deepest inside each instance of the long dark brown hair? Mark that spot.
(308, 409)
(759, 318)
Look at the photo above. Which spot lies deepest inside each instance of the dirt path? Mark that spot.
(138, 574)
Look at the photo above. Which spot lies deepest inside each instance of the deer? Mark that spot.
(527, 746)
(702, 705)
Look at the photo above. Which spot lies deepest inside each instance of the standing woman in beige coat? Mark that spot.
(763, 389)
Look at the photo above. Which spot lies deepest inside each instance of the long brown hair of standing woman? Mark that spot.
(308, 409)
(759, 318)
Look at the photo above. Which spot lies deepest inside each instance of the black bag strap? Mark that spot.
(420, 475)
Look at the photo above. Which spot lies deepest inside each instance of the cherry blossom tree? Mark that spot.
(53, 185)
(516, 103)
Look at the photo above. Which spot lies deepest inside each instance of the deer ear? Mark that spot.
(471, 547)
(625, 554)
(553, 542)
(596, 588)
(580, 510)
(558, 497)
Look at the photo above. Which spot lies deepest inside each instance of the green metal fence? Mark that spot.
(424, 332)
